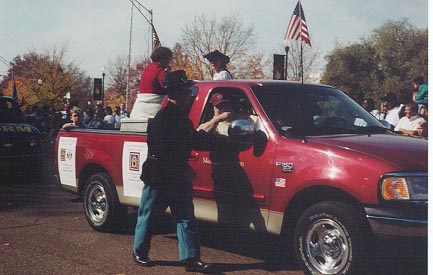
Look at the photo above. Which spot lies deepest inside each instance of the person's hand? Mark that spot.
(224, 116)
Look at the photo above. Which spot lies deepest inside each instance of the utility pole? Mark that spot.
(134, 5)
(129, 59)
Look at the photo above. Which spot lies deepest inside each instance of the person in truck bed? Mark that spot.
(152, 89)
(76, 118)
(168, 178)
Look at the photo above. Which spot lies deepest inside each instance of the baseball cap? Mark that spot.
(217, 99)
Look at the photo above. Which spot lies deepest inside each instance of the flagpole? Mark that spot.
(153, 28)
(302, 48)
(302, 63)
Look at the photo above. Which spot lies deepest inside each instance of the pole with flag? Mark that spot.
(155, 39)
(297, 30)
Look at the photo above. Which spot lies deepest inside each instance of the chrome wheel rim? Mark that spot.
(328, 246)
(97, 206)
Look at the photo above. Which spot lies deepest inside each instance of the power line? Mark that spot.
(139, 10)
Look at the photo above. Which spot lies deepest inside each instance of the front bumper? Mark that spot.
(404, 222)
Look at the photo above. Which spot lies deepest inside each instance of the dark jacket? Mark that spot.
(171, 137)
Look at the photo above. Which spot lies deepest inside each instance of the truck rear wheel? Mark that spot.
(329, 239)
(101, 204)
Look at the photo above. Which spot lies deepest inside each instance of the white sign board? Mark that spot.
(133, 157)
(66, 160)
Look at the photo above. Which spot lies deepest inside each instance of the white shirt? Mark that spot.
(110, 120)
(377, 114)
(410, 124)
(222, 75)
(393, 115)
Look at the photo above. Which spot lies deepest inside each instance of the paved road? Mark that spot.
(43, 231)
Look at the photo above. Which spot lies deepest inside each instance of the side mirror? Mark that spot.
(241, 127)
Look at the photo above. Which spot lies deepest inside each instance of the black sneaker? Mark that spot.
(196, 265)
(143, 261)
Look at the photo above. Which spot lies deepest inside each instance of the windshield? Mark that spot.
(10, 112)
(296, 109)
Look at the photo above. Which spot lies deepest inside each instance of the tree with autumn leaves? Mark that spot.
(45, 78)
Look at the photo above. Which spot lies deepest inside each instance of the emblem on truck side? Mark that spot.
(286, 167)
(134, 161)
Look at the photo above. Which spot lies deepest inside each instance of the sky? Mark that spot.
(97, 31)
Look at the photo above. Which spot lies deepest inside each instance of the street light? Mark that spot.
(287, 60)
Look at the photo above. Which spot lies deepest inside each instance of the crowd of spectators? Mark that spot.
(410, 118)
(101, 117)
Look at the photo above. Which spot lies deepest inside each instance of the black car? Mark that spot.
(20, 144)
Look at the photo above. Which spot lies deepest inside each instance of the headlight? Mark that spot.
(404, 187)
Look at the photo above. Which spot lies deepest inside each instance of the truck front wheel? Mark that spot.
(101, 204)
(331, 238)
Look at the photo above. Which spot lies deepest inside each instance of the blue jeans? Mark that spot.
(153, 203)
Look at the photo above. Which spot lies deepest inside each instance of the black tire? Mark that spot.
(331, 238)
(101, 205)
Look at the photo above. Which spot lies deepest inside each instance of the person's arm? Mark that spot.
(68, 126)
(159, 84)
(213, 123)
(408, 132)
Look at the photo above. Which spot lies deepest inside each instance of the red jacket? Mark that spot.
(151, 79)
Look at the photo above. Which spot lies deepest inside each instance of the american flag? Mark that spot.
(155, 38)
(280, 182)
(297, 28)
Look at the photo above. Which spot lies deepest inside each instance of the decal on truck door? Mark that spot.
(133, 156)
(66, 160)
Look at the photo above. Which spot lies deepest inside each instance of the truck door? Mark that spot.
(233, 183)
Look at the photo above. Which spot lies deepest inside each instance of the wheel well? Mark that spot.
(86, 173)
(309, 197)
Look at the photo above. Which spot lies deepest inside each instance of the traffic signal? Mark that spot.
(97, 89)
(278, 72)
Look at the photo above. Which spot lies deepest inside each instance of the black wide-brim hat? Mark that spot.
(177, 84)
(217, 55)
(177, 79)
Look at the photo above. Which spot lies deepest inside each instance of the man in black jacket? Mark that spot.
(167, 176)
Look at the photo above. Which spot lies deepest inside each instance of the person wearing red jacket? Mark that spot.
(152, 89)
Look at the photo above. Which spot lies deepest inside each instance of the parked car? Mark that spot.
(20, 144)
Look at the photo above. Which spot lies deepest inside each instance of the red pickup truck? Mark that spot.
(324, 174)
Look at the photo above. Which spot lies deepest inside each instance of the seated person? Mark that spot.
(97, 121)
(232, 190)
(76, 118)
(392, 108)
(409, 123)
(423, 129)
(109, 119)
(223, 115)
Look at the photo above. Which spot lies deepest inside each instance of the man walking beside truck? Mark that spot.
(168, 178)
